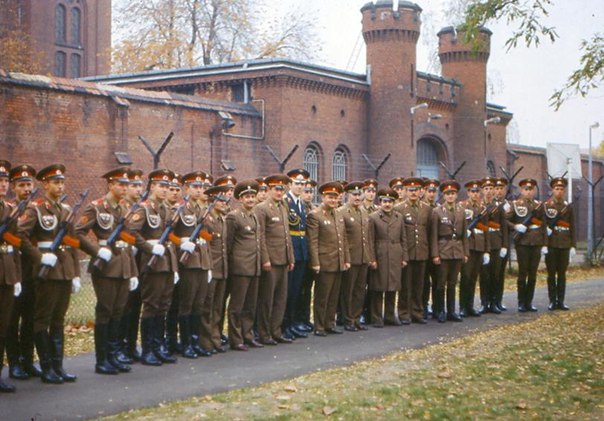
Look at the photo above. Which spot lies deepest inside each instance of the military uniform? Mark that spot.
(431, 273)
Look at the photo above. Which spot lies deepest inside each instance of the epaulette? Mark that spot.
(97, 202)
(38, 202)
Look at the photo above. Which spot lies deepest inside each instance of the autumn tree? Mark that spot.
(162, 34)
(16, 47)
(599, 150)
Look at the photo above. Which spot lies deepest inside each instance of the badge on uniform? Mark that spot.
(248, 228)
(444, 220)
(275, 219)
(521, 211)
(469, 213)
(551, 212)
(48, 222)
(327, 222)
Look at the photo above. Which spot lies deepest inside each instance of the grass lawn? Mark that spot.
(549, 368)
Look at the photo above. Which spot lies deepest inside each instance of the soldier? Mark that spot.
(20, 335)
(10, 280)
(562, 242)
(297, 305)
(431, 275)
(360, 245)
(308, 194)
(397, 185)
(387, 230)
(173, 200)
(157, 279)
(112, 267)
(213, 308)
(450, 249)
(497, 234)
(263, 191)
(39, 225)
(329, 256)
(417, 218)
(193, 285)
(370, 186)
(245, 238)
(479, 245)
(277, 261)
(526, 218)
(500, 198)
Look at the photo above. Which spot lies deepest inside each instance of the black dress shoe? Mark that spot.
(473, 313)
(334, 331)
(552, 306)
(6, 388)
(32, 370)
(269, 342)
(105, 368)
(17, 372)
(204, 352)
(531, 308)
(188, 352)
(220, 350)
(463, 313)
(494, 309)
(254, 344)
(482, 309)
(303, 327)
(521, 308)
(320, 333)
(454, 317)
(501, 307)
(351, 328)
(419, 321)
(284, 340)
(298, 334)
(562, 306)
(361, 327)
(405, 322)
(240, 347)
(441, 317)
(224, 339)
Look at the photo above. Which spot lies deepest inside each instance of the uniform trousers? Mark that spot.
(327, 292)
(469, 276)
(20, 333)
(528, 263)
(211, 315)
(382, 305)
(489, 279)
(410, 299)
(52, 301)
(156, 293)
(352, 293)
(242, 308)
(192, 291)
(302, 306)
(430, 282)
(447, 279)
(111, 297)
(556, 261)
(272, 300)
(294, 283)
(6, 303)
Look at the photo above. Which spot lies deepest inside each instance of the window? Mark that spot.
(76, 65)
(491, 168)
(60, 63)
(311, 162)
(76, 25)
(60, 13)
(238, 92)
(427, 159)
(340, 161)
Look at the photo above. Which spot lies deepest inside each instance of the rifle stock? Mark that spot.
(198, 229)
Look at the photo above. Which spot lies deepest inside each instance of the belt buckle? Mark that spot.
(3, 249)
(201, 242)
(454, 237)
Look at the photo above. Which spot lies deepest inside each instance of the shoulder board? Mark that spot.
(37, 202)
(97, 202)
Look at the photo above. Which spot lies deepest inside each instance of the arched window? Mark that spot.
(60, 63)
(60, 22)
(491, 168)
(427, 159)
(76, 65)
(339, 168)
(76, 25)
(311, 161)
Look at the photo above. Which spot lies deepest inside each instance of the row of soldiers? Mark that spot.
(167, 258)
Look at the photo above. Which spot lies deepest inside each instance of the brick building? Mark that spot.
(68, 38)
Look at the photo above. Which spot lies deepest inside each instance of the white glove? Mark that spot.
(544, 250)
(187, 246)
(49, 259)
(468, 233)
(134, 251)
(133, 283)
(549, 231)
(104, 253)
(520, 228)
(17, 289)
(158, 250)
(176, 278)
(503, 252)
(76, 285)
(209, 276)
(572, 253)
(486, 258)
(506, 207)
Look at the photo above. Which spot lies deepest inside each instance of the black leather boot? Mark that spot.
(43, 347)
(147, 330)
(100, 349)
(184, 327)
(195, 320)
(560, 293)
(114, 351)
(15, 369)
(57, 347)
(4, 387)
(159, 341)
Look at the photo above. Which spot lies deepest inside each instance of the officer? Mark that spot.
(562, 242)
(263, 191)
(526, 218)
(157, 265)
(431, 275)
(277, 261)
(244, 253)
(329, 256)
(112, 267)
(479, 248)
(449, 249)
(308, 195)
(397, 185)
(173, 199)
(501, 190)
(387, 231)
(370, 186)
(10, 280)
(417, 218)
(360, 246)
(39, 225)
(20, 337)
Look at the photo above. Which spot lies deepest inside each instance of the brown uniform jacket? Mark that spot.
(245, 243)
(478, 239)
(183, 228)
(101, 216)
(390, 250)
(536, 234)
(563, 232)
(498, 227)
(360, 245)
(327, 241)
(449, 239)
(41, 222)
(370, 208)
(10, 261)
(216, 225)
(418, 221)
(148, 223)
(277, 246)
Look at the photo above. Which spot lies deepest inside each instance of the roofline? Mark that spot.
(438, 78)
(388, 3)
(452, 29)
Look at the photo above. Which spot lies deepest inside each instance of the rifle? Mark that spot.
(487, 210)
(165, 235)
(10, 238)
(62, 236)
(117, 232)
(528, 219)
(199, 229)
(554, 221)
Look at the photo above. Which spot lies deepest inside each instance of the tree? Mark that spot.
(529, 16)
(162, 34)
(599, 150)
(16, 47)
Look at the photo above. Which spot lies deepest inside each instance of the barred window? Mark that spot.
(60, 63)
(76, 25)
(340, 164)
(76, 65)
(311, 162)
(60, 22)
(427, 159)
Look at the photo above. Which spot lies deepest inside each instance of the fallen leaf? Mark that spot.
(522, 405)
(291, 388)
(328, 410)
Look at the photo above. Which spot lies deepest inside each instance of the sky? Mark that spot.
(523, 78)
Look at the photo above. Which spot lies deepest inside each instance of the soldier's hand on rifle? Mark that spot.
(133, 283)
(104, 253)
(49, 259)
(520, 228)
(76, 285)
(486, 258)
(187, 246)
(158, 250)
(503, 252)
(17, 289)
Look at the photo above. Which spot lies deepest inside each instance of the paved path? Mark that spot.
(94, 395)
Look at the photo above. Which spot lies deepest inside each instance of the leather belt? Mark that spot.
(45, 245)
(298, 233)
(119, 244)
(558, 228)
(534, 227)
(6, 249)
(494, 230)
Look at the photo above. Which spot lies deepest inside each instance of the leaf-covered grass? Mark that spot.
(549, 368)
